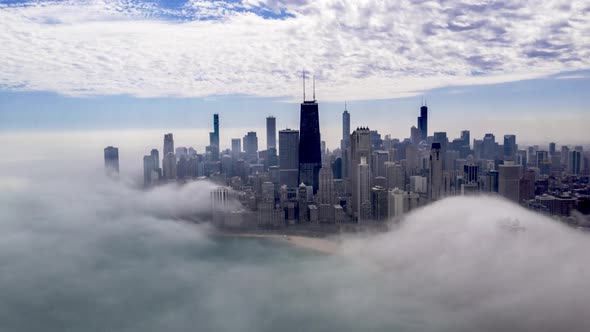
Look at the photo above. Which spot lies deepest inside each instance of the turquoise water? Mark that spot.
(139, 282)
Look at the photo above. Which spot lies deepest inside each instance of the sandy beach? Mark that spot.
(317, 244)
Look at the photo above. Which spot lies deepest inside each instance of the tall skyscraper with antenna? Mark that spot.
(271, 132)
(310, 156)
(214, 139)
(423, 120)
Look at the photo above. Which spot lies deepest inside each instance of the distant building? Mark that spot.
(510, 147)
(360, 149)
(111, 160)
(289, 157)
(271, 132)
(508, 181)
(423, 122)
(310, 155)
(251, 146)
(168, 144)
(435, 179)
(379, 204)
(169, 166)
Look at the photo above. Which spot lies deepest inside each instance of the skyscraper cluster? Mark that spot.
(369, 178)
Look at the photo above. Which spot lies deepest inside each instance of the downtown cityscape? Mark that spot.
(294, 165)
(368, 179)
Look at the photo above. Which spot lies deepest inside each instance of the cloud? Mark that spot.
(358, 50)
(92, 255)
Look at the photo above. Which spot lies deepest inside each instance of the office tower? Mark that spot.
(227, 167)
(289, 157)
(236, 148)
(346, 126)
(111, 160)
(362, 190)
(415, 135)
(489, 147)
(552, 148)
(251, 146)
(302, 202)
(509, 180)
(149, 172)
(326, 186)
(337, 168)
(423, 121)
(310, 156)
(418, 184)
(575, 162)
(156, 158)
(220, 200)
(169, 166)
(360, 148)
(326, 196)
(181, 152)
(510, 147)
(379, 158)
(168, 144)
(470, 173)
(465, 137)
(214, 139)
(271, 132)
(379, 205)
(396, 176)
(565, 154)
(441, 137)
(436, 177)
(527, 186)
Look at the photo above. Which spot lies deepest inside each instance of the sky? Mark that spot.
(508, 67)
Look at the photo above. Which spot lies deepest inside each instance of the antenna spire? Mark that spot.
(303, 73)
(345, 106)
(314, 87)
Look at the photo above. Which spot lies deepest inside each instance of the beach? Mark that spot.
(323, 245)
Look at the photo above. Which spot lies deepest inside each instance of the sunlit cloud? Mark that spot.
(357, 50)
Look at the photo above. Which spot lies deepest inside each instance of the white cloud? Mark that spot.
(358, 49)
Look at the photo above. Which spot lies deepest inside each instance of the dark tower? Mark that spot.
(423, 121)
(310, 156)
(214, 139)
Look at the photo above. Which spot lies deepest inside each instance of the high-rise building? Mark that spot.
(436, 177)
(168, 144)
(362, 190)
(169, 166)
(552, 149)
(423, 121)
(360, 148)
(509, 180)
(470, 173)
(310, 155)
(251, 146)
(510, 147)
(346, 127)
(379, 204)
(214, 139)
(150, 173)
(111, 160)
(575, 162)
(271, 132)
(326, 188)
(289, 158)
(236, 148)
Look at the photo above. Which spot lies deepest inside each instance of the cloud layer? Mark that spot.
(81, 253)
(357, 49)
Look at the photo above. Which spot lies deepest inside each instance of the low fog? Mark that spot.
(79, 252)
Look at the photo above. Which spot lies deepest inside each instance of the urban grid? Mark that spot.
(298, 183)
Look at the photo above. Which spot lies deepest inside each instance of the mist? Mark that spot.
(80, 252)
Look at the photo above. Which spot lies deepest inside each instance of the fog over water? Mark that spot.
(79, 252)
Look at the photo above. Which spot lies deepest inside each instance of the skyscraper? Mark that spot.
(346, 127)
(310, 156)
(509, 180)
(111, 160)
(360, 149)
(168, 144)
(326, 187)
(169, 166)
(575, 162)
(251, 146)
(436, 176)
(148, 170)
(155, 158)
(363, 190)
(271, 132)
(289, 157)
(510, 147)
(236, 148)
(423, 121)
(214, 139)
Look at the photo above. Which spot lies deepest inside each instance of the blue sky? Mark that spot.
(507, 67)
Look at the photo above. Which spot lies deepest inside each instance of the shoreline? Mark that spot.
(321, 245)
